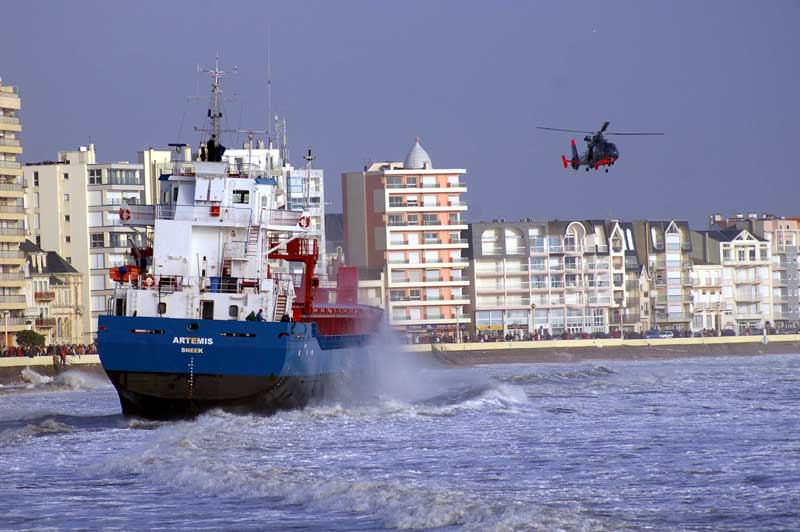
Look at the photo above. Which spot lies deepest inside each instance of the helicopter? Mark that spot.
(599, 153)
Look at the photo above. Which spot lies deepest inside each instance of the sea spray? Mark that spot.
(382, 371)
(33, 378)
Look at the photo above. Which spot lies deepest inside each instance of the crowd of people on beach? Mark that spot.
(58, 352)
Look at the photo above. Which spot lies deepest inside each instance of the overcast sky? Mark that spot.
(357, 81)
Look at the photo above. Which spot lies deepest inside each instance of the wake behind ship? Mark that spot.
(223, 309)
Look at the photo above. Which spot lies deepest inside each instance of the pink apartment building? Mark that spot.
(407, 218)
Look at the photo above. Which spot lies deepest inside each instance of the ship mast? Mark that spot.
(215, 111)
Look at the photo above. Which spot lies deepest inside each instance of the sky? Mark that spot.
(357, 81)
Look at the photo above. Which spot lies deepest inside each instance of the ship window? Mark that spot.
(175, 194)
(233, 311)
(162, 308)
(241, 196)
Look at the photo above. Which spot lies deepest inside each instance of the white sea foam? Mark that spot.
(33, 378)
(76, 379)
(181, 458)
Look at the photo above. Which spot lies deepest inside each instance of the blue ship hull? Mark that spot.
(166, 368)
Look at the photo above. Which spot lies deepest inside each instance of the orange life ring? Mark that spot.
(149, 281)
(304, 222)
(124, 214)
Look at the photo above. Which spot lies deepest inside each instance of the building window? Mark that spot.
(68, 239)
(66, 175)
(38, 240)
(241, 196)
(97, 240)
(411, 182)
(69, 259)
(66, 197)
(66, 217)
(96, 177)
(36, 179)
(430, 219)
(117, 240)
(396, 219)
(412, 219)
(395, 201)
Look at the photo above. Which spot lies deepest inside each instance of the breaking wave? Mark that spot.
(73, 379)
(186, 456)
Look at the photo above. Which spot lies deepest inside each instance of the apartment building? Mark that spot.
(13, 302)
(707, 303)
(305, 191)
(406, 217)
(556, 276)
(665, 247)
(783, 234)
(55, 288)
(74, 211)
(746, 276)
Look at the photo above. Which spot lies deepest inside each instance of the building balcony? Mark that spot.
(9, 120)
(12, 302)
(12, 212)
(677, 317)
(430, 301)
(427, 283)
(45, 323)
(12, 190)
(12, 279)
(10, 165)
(11, 256)
(44, 296)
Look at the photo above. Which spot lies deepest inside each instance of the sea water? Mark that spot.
(688, 444)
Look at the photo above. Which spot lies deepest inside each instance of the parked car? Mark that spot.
(633, 335)
(596, 335)
(652, 333)
(728, 332)
(666, 334)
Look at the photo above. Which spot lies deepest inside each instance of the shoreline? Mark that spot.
(551, 351)
(471, 354)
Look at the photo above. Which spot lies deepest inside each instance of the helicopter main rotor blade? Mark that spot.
(567, 130)
(646, 134)
(605, 125)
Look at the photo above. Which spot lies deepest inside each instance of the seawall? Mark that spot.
(506, 352)
(11, 367)
(607, 349)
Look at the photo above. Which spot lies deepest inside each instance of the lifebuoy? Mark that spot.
(304, 222)
(124, 214)
(149, 281)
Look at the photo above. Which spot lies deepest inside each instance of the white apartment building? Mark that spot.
(406, 217)
(746, 276)
(707, 302)
(13, 303)
(74, 211)
(553, 277)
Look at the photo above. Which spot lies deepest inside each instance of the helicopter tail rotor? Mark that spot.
(576, 160)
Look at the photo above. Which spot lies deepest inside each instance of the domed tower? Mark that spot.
(417, 158)
(405, 218)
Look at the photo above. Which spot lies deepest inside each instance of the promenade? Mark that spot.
(508, 352)
(607, 349)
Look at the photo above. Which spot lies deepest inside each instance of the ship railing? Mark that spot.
(166, 284)
(203, 213)
(229, 169)
(280, 217)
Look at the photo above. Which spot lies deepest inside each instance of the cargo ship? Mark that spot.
(202, 317)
